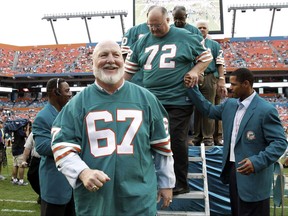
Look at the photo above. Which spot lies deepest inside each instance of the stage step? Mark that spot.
(180, 213)
(191, 195)
(194, 194)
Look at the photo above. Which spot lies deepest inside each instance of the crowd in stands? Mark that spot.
(255, 54)
(265, 54)
(28, 108)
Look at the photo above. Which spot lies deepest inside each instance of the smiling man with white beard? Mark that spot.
(112, 143)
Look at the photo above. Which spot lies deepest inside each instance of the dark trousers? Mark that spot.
(242, 208)
(203, 126)
(218, 125)
(33, 174)
(49, 209)
(179, 118)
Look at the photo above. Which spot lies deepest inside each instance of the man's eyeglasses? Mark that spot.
(156, 26)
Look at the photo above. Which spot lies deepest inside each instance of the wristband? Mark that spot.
(222, 78)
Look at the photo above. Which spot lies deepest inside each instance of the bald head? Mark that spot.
(202, 25)
(158, 21)
(104, 45)
(179, 16)
(108, 63)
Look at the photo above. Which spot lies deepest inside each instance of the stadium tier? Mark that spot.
(26, 69)
(267, 53)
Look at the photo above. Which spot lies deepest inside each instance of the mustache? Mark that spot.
(110, 66)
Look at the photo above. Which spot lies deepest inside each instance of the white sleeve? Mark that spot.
(29, 142)
(71, 168)
(164, 166)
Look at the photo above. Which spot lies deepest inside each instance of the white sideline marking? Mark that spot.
(19, 201)
(16, 210)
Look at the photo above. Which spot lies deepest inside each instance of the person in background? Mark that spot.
(218, 131)
(133, 34)
(3, 156)
(56, 193)
(254, 140)
(164, 60)
(19, 137)
(130, 37)
(33, 170)
(179, 16)
(112, 143)
(213, 84)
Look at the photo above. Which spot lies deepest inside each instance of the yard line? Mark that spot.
(17, 210)
(19, 201)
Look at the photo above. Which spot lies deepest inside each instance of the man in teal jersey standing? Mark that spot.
(214, 82)
(130, 37)
(165, 55)
(112, 143)
(179, 16)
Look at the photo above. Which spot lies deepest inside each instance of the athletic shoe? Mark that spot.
(14, 181)
(22, 183)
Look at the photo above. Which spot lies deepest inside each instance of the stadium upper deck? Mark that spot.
(30, 66)
(267, 53)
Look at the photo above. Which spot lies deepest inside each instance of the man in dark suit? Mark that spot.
(254, 140)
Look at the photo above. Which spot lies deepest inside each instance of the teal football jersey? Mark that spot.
(116, 134)
(191, 29)
(131, 36)
(165, 61)
(218, 56)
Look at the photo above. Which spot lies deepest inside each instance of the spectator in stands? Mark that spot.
(3, 157)
(92, 146)
(179, 16)
(56, 193)
(213, 83)
(160, 55)
(254, 140)
(19, 135)
(33, 171)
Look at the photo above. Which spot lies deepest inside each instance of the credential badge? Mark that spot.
(250, 135)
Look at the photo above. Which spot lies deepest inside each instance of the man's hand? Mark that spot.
(190, 79)
(246, 167)
(93, 180)
(166, 194)
(221, 89)
(24, 164)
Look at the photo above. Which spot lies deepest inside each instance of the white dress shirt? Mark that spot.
(243, 105)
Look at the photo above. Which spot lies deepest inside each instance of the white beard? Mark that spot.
(109, 79)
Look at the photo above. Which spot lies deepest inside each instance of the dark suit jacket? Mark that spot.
(260, 138)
